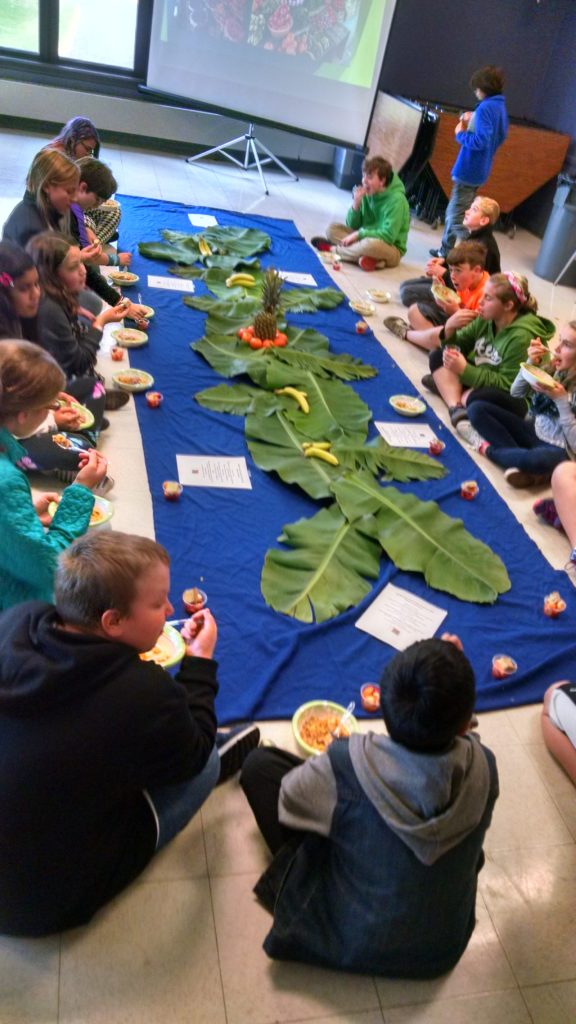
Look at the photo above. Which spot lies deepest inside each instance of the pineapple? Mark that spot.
(266, 321)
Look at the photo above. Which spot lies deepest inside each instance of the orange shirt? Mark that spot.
(470, 297)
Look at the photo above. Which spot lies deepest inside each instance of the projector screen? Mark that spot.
(309, 65)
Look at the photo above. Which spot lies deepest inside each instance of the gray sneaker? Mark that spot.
(396, 325)
(473, 439)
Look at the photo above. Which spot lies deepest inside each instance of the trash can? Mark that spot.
(347, 166)
(559, 242)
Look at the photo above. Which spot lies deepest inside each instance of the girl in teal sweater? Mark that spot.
(30, 381)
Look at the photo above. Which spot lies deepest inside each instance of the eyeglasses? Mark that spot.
(89, 150)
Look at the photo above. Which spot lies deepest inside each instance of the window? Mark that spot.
(19, 25)
(98, 33)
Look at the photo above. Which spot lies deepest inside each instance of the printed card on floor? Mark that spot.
(294, 278)
(213, 471)
(202, 220)
(170, 284)
(399, 618)
(406, 435)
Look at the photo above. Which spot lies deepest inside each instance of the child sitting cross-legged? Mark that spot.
(105, 757)
(377, 843)
(425, 319)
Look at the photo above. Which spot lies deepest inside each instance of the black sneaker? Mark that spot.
(436, 253)
(115, 400)
(429, 383)
(321, 243)
(233, 746)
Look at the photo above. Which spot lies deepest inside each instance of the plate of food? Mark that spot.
(86, 416)
(133, 380)
(123, 277)
(77, 444)
(363, 308)
(168, 650)
(129, 337)
(407, 405)
(316, 723)
(534, 375)
(147, 313)
(101, 513)
(376, 295)
(444, 294)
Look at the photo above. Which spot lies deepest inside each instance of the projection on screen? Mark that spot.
(311, 65)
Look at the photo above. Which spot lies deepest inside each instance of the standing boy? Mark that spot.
(377, 843)
(105, 757)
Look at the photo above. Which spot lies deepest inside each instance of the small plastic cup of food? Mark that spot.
(370, 696)
(361, 327)
(468, 490)
(436, 446)
(554, 605)
(503, 665)
(193, 599)
(154, 398)
(172, 489)
(336, 263)
(117, 354)
(452, 348)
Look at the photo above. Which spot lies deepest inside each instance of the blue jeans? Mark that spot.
(460, 199)
(174, 806)
(513, 441)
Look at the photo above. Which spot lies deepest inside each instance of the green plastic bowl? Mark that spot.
(318, 707)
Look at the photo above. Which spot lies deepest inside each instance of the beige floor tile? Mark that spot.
(526, 723)
(29, 971)
(560, 787)
(499, 1008)
(524, 815)
(371, 1017)
(552, 1004)
(233, 842)
(495, 727)
(149, 958)
(260, 991)
(184, 857)
(483, 968)
(530, 895)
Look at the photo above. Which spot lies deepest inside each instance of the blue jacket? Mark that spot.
(360, 899)
(487, 131)
(28, 552)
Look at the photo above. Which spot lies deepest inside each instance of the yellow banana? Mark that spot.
(205, 249)
(321, 453)
(299, 396)
(246, 280)
(324, 445)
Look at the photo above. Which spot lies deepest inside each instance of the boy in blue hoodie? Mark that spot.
(377, 223)
(479, 134)
(377, 842)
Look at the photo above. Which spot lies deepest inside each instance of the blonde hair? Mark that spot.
(510, 287)
(489, 208)
(100, 571)
(50, 167)
(29, 378)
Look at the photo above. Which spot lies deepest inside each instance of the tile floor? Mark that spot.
(183, 945)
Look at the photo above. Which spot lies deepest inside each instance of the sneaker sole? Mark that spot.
(233, 753)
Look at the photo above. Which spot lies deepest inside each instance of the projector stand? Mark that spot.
(251, 143)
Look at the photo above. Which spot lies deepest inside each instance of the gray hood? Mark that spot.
(430, 801)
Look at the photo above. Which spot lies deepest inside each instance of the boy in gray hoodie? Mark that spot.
(377, 843)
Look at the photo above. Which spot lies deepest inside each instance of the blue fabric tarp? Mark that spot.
(217, 539)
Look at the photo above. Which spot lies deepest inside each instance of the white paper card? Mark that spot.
(294, 278)
(399, 618)
(213, 471)
(171, 284)
(202, 220)
(406, 435)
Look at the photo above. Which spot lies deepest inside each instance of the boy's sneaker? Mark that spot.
(436, 253)
(520, 478)
(429, 383)
(473, 439)
(546, 509)
(233, 746)
(456, 414)
(368, 263)
(321, 243)
(397, 326)
(115, 400)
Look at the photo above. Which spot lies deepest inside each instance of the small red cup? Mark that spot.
(172, 490)
(117, 354)
(468, 490)
(154, 398)
(503, 665)
(554, 605)
(194, 600)
(436, 447)
(370, 696)
(361, 327)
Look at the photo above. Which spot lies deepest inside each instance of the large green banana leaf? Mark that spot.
(418, 537)
(401, 464)
(336, 411)
(179, 247)
(240, 310)
(326, 570)
(239, 399)
(276, 446)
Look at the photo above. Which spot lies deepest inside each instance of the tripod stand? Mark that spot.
(251, 150)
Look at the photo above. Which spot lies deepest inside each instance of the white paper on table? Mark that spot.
(202, 220)
(171, 284)
(294, 278)
(213, 471)
(399, 618)
(406, 435)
